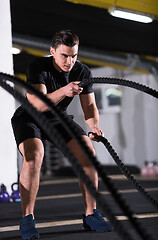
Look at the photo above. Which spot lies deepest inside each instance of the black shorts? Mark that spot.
(25, 127)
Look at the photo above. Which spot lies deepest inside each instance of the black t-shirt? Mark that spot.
(42, 71)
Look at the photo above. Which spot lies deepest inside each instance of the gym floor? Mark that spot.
(59, 209)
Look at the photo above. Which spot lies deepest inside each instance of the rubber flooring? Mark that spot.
(59, 209)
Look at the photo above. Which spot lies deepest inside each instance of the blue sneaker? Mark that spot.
(27, 228)
(96, 222)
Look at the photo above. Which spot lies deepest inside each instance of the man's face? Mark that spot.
(64, 57)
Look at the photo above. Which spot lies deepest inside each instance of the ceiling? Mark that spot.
(35, 21)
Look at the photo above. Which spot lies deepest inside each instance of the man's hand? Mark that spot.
(96, 130)
(72, 89)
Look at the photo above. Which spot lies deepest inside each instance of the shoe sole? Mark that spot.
(32, 238)
(88, 228)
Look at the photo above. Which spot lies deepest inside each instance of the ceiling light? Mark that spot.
(15, 50)
(130, 15)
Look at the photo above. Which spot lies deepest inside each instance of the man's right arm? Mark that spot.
(70, 90)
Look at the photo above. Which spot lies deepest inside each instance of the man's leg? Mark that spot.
(89, 201)
(33, 151)
(92, 220)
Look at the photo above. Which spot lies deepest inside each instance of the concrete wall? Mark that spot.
(8, 153)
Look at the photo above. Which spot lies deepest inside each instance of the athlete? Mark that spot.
(57, 77)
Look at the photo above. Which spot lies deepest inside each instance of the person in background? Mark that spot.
(57, 77)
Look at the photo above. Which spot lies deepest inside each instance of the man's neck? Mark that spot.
(56, 66)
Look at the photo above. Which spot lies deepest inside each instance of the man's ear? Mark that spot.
(52, 51)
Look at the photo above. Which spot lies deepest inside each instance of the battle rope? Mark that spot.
(53, 134)
(137, 86)
(116, 195)
(124, 169)
(122, 82)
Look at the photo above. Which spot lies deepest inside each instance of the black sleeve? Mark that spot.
(35, 74)
(87, 74)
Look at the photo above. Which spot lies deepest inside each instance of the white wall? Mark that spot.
(139, 121)
(8, 154)
(133, 130)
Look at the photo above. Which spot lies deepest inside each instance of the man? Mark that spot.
(57, 77)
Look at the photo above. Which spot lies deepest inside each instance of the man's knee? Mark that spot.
(33, 160)
(33, 153)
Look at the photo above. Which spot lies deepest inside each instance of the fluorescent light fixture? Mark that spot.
(130, 15)
(15, 50)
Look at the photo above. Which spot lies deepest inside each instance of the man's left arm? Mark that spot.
(91, 114)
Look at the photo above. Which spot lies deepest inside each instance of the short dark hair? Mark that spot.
(66, 37)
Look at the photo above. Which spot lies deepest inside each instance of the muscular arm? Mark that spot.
(69, 90)
(90, 112)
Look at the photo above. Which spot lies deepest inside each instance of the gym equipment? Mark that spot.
(15, 193)
(150, 169)
(4, 195)
(49, 130)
